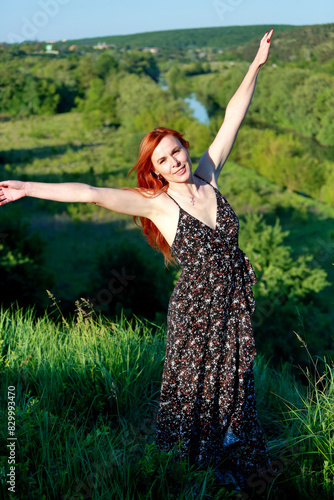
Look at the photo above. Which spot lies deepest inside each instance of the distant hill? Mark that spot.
(302, 43)
(218, 37)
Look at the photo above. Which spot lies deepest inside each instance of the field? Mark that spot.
(86, 396)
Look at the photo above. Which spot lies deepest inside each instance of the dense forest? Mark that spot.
(77, 113)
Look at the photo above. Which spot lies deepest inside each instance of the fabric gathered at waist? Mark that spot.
(218, 260)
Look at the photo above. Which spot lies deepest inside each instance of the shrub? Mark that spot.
(24, 276)
(133, 279)
(286, 292)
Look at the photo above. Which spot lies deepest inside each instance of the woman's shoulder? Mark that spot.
(206, 170)
(160, 201)
(206, 177)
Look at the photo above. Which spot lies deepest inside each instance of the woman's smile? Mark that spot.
(181, 171)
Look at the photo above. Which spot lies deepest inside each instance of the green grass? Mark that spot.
(86, 394)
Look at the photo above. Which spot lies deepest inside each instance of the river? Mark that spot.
(198, 110)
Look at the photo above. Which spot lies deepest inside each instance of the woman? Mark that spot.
(207, 407)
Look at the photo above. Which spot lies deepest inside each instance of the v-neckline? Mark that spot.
(200, 221)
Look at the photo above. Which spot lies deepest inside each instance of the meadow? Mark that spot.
(86, 395)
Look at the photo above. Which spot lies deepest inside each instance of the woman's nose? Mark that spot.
(175, 162)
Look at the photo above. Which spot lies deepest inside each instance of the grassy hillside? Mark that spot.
(91, 388)
(303, 43)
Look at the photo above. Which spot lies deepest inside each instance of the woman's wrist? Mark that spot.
(255, 66)
(26, 188)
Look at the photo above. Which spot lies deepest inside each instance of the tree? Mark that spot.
(141, 63)
(104, 65)
(24, 277)
(287, 287)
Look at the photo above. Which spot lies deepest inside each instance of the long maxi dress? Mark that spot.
(207, 402)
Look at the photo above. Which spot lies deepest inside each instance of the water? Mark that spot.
(199, 111)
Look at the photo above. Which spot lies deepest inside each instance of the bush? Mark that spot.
(24, 94)
(24, 276)
(282, 159)
(286, 292)
(133, 280)
(99, 105)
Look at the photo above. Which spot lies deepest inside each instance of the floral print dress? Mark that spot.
(207, 402)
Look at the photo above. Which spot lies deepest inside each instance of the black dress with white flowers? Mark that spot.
(207, 403)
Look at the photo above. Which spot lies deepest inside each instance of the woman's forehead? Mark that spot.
(165, 146)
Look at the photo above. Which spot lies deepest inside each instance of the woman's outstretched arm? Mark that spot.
(66, 192)
(214, 158)
(119, 200)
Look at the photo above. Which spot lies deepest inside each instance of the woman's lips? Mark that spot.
(181, 171)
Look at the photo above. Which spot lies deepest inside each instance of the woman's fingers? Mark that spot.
(11, 191)
(2, 197)
(267, 36)
(263, 51)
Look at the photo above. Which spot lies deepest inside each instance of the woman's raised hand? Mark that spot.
(11, 191)
(263, 52)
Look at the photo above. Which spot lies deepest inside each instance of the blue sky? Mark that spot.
(59, 19)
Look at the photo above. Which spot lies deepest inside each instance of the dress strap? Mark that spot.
(198, 177)
(173, 199)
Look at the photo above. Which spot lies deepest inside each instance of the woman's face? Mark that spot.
(171, 160)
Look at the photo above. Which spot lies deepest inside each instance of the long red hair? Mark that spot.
(148, 184)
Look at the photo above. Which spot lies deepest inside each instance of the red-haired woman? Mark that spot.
(207, 406)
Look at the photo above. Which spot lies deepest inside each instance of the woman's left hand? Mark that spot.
(263, 52)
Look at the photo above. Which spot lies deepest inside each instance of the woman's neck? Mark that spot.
(187, 189)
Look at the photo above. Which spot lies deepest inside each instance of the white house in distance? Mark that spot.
(103, 46)
(153, 50)
(49, 47)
